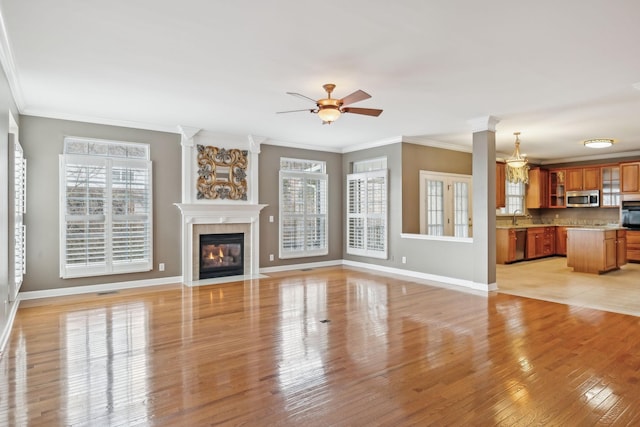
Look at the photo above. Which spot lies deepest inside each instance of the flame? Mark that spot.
(220, 254)
(210, 255)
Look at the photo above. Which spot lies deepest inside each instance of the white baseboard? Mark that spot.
(433, 279)
(99, 288)
(6, 331)
(301, 266)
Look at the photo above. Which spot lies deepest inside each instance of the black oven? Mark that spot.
(631, 214)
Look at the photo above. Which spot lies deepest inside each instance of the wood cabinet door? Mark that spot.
(574, 179)
(591, 178)
(630, 177)
(501, 197)
(610, 254)
(535, 242)
(621, 249)
(537, 189)
(561, 241)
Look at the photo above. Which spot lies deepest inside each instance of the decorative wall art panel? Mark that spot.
(222, 173)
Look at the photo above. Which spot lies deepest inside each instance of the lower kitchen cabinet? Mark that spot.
(633, 245)
(561, 240)
(541, 242)
(596, 250)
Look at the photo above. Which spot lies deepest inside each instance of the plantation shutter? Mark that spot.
(367, 214)
(106, 215)
(303, 214)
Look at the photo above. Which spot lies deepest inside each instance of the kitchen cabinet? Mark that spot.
(540, 242)
(633, 245)
(630, 177)
(506, 241)
(537, 195)
(621, 248)
(557, 188)
(561, 240)
(578, 179)
(501, 178)
(593, 250)
(610, 189)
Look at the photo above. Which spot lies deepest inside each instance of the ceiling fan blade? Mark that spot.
(299, 95)
(366, 111)
(356, 96)
(311, 110)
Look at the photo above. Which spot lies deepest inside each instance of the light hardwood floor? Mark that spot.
(332, 346)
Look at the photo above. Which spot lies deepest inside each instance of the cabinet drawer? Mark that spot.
(633, 254)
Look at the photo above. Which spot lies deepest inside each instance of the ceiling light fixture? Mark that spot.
(598, 143)
(518, 170)
(329, 113)
(516, 160)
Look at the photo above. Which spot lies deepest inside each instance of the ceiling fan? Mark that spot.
(329, 109)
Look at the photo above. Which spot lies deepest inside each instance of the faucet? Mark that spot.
(513, 220)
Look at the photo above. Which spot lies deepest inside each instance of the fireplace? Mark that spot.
(221, 255)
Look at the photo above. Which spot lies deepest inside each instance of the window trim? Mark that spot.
(316, 176)
(109, 266)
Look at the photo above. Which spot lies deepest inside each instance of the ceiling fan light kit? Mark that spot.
(330, 109)
(598, 143)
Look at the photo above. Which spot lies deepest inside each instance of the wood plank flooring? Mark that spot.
(332, 346)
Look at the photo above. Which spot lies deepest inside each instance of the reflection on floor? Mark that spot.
(550, 279)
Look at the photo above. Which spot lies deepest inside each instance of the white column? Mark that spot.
(188, 161)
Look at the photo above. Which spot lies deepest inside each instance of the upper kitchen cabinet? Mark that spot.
(501, 178)
(630, 177)
(610, 186)
(587, 178)
(538, 189)
(557, 189)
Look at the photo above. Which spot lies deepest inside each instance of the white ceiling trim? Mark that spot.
(372, 144)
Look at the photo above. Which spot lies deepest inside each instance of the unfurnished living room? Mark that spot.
(339, 213)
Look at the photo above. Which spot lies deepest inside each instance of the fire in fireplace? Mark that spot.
(221, 255)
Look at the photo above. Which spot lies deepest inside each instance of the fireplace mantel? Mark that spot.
(219, 213)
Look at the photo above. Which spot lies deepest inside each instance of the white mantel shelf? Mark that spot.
(219, 212)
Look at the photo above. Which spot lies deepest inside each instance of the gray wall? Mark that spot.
(437, 257)
(269, 194)
(419, 157)
(42, 140)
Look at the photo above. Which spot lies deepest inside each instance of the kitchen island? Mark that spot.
(596, 249)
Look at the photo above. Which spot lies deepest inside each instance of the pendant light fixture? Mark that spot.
(516, 160)
(518, 170)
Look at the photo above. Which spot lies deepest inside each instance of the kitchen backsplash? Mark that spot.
(568, 216)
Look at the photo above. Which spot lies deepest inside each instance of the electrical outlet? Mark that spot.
(271, 220)
(404, 259)
(270, 257)
(161, 266)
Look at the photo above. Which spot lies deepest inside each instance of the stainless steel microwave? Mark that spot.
(583, 199)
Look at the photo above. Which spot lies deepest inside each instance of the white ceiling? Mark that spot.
(557, 71)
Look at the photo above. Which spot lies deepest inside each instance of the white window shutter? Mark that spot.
(367, 214)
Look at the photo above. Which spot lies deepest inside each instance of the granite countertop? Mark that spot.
(581, 227)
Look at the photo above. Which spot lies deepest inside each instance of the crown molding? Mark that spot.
(279, 143)
(8, 65)
(481, 124)
(372, 144)
(619, 155)
(101, 121)
(438, 144)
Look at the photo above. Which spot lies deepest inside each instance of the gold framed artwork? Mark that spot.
(222, 173)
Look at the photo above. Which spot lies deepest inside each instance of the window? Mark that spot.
(303, 208)
(367, 210)
(105, 209)
(514, 197)
(445, 204)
